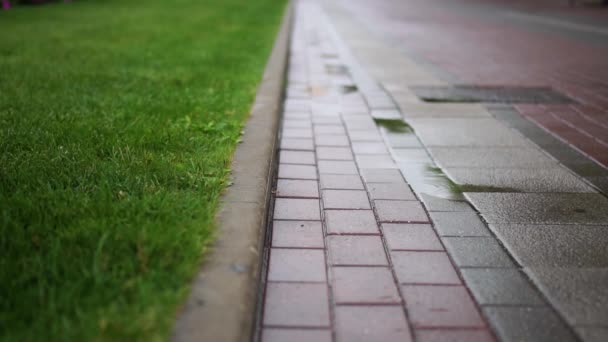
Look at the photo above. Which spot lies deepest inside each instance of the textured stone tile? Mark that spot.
(296, 304)
(498, 286)
(555, 245)
(555, 179)
(296, 265)
(364, 285)
(400, 211)
(465, 132)
(444, 110)
(296, 209)
(477, 252)
(296, 335)
(303, 234)
(345, 199)
(338, 167)
(593, 334)
(491, 157)
(459, 224)
(297, 157)
(371, 323)
(356, 250)
(347, 182)
(424, 268)
(297, 188)
(297, 171)
(579, 294)
(297, 144)
(440, 306)
(453, 335)
(541, 208)
(351, 222)
(390, 191)
(411, 237)
(334, 153)
(528, 324)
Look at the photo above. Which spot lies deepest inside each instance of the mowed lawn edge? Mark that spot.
(118, 120)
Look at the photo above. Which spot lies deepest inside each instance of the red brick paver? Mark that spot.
(353, 254)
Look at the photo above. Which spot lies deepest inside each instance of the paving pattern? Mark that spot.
(354, 255)
(401, 220)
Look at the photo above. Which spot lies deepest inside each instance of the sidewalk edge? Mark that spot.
(222, 302)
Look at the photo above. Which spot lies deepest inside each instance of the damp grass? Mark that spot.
(458, 189)
(118, 120)
(394, 125)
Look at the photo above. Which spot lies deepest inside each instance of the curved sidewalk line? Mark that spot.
(222, 302)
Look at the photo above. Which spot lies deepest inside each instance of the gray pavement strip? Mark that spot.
(465, 132)
(539, 208)
(537, 324)
(563, 245)
(501, 94)
(556, 179)
(578, 293)
(501, 286)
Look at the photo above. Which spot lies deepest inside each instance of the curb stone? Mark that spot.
(222, 302)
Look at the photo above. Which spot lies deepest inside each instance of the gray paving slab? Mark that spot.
(443, 110)
(578, 293)
(529, 324)
(477, 252)
(466, 223)
(501, 286)
(593, 334)
(555, 179)
(555, 245)
(550, 208)
(465, 132)
(489, 157)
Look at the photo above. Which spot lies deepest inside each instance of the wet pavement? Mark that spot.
(400, 219)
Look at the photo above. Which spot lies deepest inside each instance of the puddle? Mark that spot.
(430, 180)
(394, 125)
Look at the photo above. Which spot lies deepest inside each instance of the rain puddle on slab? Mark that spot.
(424, 177)
(430, 180)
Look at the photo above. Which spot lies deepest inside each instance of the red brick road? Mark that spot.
(537, 45)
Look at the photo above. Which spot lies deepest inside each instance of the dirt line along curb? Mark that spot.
(221, 304)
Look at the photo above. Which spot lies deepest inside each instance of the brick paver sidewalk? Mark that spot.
(354, 255)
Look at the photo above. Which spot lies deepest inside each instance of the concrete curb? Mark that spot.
(222, 303)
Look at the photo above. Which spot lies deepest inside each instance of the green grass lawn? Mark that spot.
(118, 119)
